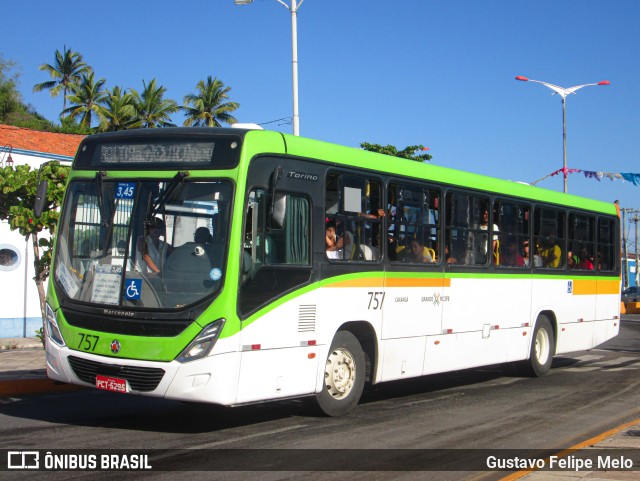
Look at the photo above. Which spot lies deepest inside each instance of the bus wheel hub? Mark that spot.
(340, 373)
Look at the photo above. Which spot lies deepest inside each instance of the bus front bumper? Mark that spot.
(213, 379)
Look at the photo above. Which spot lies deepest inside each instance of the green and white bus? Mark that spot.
(237, 266)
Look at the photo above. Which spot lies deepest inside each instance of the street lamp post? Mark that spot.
(293, 8)
(563, 92)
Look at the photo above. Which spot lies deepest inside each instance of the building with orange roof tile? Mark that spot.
(20, 314)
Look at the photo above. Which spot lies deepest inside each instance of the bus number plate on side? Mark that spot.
(111, 383)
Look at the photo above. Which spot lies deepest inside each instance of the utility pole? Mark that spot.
(635, 220)
(625, 272)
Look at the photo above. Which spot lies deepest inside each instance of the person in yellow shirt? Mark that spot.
(551, 254)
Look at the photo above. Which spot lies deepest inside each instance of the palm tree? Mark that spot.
(66, 71)
(152, 109)
(87, 98)
(119, 111)
(208, 107)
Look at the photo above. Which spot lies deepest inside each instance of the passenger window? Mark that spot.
(513, 248)
(606, 255)
(413, 234)
(354, 218)
(581, 252)
(471, 234)
(288, 245)
(274, 260)
(549, 239)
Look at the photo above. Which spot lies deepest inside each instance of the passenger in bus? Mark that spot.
(418, 252)
(202, 236)
(537, 258)
(586, 263)
(375, 214)
(333, 242)
(449, 258)
(151, 249)
(551, 253)
(512, 258)
(526, 261)
(484, 225)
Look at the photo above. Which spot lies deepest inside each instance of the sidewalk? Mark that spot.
(23, 369)
(623, 439)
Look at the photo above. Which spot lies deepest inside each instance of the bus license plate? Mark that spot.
(111, 383)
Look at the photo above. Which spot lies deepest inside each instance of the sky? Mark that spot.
(404, 72)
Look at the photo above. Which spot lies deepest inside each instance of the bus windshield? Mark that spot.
(149, 244)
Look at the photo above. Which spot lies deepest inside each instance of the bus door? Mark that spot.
(279, 331)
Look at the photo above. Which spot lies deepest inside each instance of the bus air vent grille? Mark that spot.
(141, 379)
(307, 318)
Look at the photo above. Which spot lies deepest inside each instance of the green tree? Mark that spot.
(410, 152)
(152, 109)
(67, 70)
(12, 110)
(18, 188)
(209, 106)
(86, 99)
(119, 111)
(10, 99)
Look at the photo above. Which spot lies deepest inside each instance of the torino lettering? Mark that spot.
(302, 176)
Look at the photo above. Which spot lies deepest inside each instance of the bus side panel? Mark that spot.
(276, 373)
(440, 354)
(607, 311)
(279, 351)
(575, 336)
(412, 306)
(479, 310)
(402, 358)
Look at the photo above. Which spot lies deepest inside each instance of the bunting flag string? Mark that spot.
(589, 174)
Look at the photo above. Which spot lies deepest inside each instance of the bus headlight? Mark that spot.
(202, 345)
(52, 329)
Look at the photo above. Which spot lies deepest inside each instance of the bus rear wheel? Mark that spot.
(542, 350)
(344, 374)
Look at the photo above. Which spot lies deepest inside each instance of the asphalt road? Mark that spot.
(586, 393)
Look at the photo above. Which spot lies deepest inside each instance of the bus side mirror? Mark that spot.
(278, 211)
(41, 198)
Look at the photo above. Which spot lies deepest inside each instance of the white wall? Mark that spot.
(19, 303)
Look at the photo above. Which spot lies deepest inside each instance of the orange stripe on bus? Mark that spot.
(584, 287)
(418, 282)
(394, 282)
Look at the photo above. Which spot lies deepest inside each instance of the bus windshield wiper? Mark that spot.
(103, 216)
(173, 184)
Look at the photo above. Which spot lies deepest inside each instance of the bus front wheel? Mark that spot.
(542, 349)
(344, 374)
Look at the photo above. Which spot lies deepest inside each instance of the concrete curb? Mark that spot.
(18, 387)
(14, 343)
(23, 369)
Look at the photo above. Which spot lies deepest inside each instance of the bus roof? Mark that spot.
(350, 156)
(267, 141)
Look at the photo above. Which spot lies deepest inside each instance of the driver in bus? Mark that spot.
(151, 248)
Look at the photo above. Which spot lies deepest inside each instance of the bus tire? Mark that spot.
(344, 376)
(542, 350)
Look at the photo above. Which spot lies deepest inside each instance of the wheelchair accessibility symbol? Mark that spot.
(133, 289)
